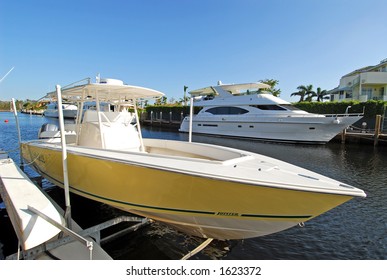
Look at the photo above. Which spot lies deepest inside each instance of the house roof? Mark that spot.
(367, 68)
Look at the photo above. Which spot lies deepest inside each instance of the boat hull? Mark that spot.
(280, 129)
(68, 114)
(197, 205)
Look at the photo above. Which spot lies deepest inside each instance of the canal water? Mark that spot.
(354, 230)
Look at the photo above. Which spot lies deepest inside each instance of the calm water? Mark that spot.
(354, 230)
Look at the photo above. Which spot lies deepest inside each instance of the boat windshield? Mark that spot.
(269, 107)
(290, 107)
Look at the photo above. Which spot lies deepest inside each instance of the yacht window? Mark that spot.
(227, 111)
(290, 107)
(269, 107)
(208, 97)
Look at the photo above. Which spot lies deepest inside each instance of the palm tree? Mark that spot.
(309, 96)
(321, 94)
(161, 101)
(303, 92)
(272, 83)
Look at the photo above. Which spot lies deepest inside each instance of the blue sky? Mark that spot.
(167, 44)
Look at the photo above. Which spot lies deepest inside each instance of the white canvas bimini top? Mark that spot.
(108, 90)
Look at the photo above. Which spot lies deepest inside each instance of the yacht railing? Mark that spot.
(345, 115)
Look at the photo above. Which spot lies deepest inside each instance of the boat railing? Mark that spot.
(325, 115)
(345, 115)
(284, 115)
(311, 115)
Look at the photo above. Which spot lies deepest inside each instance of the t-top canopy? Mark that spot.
(107, 90)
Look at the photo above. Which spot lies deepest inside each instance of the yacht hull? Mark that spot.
(196, 204)
(68, 114)
(69, 111)
(302, 129)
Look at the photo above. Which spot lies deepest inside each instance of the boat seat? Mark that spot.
(115, 136)
(92, 116)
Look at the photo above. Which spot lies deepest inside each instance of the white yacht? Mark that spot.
(242, 110)
(69, 110)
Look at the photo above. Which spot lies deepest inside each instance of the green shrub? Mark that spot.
(371, 108)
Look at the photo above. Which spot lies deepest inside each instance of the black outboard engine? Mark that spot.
(48, 130)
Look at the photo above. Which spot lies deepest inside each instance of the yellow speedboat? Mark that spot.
(204, 190)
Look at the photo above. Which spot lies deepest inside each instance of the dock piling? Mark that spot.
(343, 134)
(377, 129)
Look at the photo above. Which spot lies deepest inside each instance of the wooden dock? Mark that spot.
(169, 120)
(362, 135)
(162, 123)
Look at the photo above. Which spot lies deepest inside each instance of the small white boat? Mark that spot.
(69, 110)
(242, 110)
(204, 190)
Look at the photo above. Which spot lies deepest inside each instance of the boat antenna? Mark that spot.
(6, 74)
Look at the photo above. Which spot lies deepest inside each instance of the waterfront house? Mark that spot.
(367, 83)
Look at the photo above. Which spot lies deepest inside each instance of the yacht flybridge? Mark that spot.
(204, 190)
(245, 110)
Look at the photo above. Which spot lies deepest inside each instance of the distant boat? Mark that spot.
(242, 110)
(69, 110)
(204, 190)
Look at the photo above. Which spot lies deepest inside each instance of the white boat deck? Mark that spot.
(21, 195)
